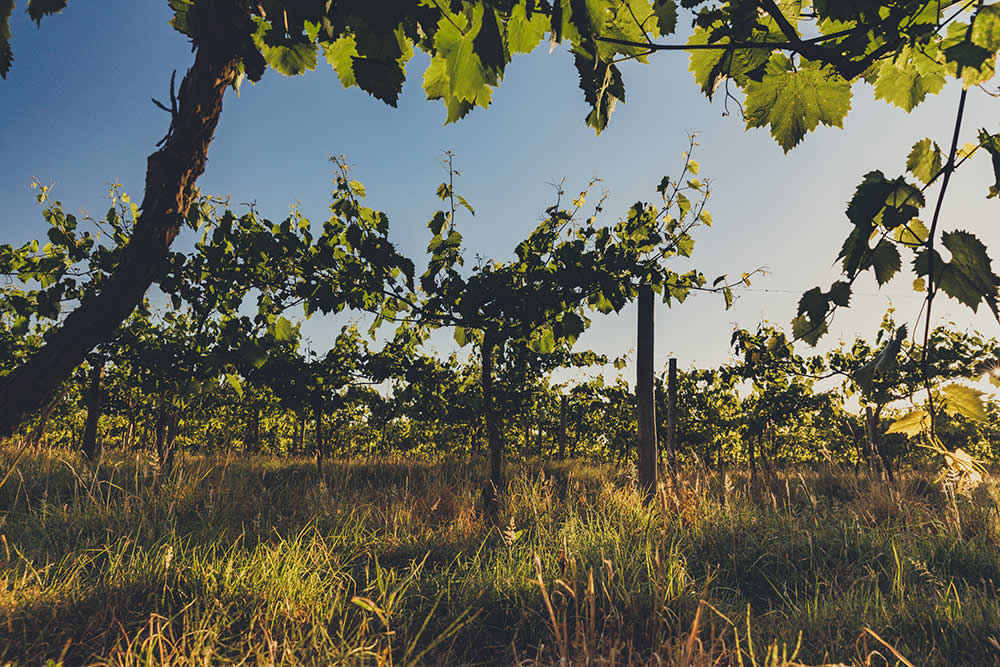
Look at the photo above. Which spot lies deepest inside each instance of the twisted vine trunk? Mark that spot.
(91, 447)
(43, 418)
(171, 173)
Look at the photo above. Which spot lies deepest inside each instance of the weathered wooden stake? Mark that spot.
(644, 394)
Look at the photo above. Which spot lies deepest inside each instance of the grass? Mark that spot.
(260, 561)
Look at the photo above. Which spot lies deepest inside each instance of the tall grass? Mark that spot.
(262, 561)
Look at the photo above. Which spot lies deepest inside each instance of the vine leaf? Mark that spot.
(810, 325)
(466, 73)
(6, 56)
(805, 330)
(907, 79)
(912, 424)
(914, 233)
(965, 401)
(885, 261)
(794, 101)
(924, 161)
(666, 15)
(965, 58)
(283, 330)
(37, 9)
(290, 59)
(992, 145)
(523, 32)
(236, 383)
(968, 277)
(711, 66)
(879, 201)
(340, 54)
(602, 87)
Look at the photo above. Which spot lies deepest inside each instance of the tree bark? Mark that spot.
(871, 429)
(171, 174)
(43, 418)
(90, 446)
(644, 394)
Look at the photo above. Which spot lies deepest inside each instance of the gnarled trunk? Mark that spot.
(39, 432)
(171, 173)
(90, 446)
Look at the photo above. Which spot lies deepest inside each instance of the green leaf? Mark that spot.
(986, 29)
(924, 160)
(885, 260)
(907, 79)
(602, 88)
(840, 293)
(991, 143)
(794, 101)
(37, 9)
(968, 277)
(970, 261)
(357, 188)
(912, 424)
(6, 56)
(463, 202)
(711, 66)
(805, 330)
(283, 330)
(340, 54)
(291, 59)
(236, 383)
(913, 233)
(666, 15)
(523, 33)
(964, 58)
(542, 341)
(965, 401)
(455, 44)
(381, 78)
(437, 85)
(460, 336)
(815, 304)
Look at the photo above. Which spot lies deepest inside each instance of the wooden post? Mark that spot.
(563, 400)
(491, 492)
(672, 414)
(646, 408)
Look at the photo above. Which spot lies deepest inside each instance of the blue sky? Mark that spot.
(77, 115)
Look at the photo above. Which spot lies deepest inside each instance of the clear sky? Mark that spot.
(77, 115)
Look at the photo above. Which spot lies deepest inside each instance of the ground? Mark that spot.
(262, 561)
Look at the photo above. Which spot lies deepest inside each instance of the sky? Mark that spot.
(77, 115)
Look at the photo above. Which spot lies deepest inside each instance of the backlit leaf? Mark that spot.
(924, 160)
(965, 401)
(912, 424)
(794, 101)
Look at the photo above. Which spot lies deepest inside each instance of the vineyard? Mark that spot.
(228, 437)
